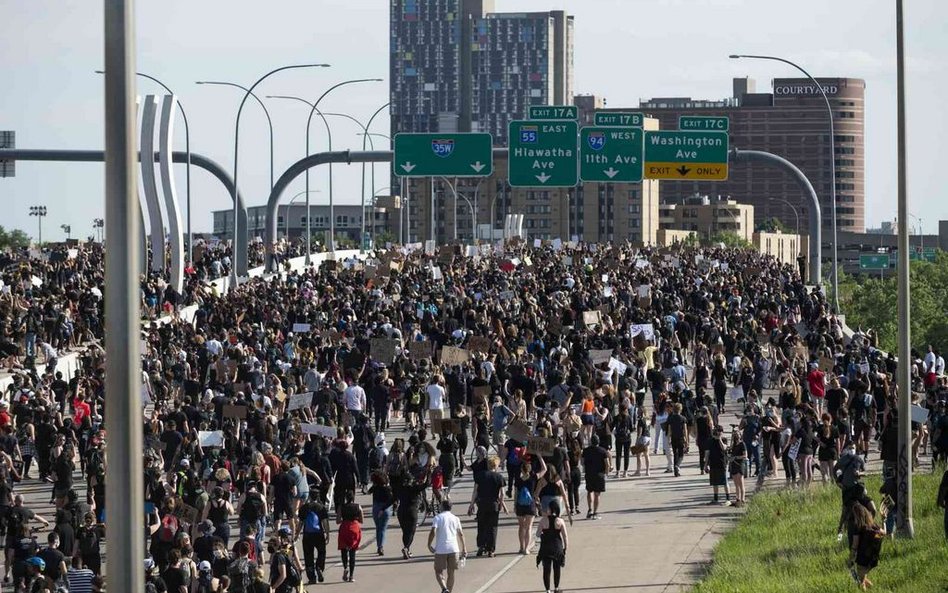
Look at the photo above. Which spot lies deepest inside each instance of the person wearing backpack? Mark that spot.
(314, 525)
(512, 458)
(241, 570)
(863, 413)
(252, 510)
(524, 504)
(284, 567)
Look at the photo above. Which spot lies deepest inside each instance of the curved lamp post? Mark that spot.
(313, 109)
(237, 141)
(307, 191)
(267, 113)
(187, 150)
(365, 135)
(829, 110)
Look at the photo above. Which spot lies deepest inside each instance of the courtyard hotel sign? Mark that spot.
(796, 89)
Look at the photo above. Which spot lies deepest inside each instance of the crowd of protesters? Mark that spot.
(540, 371)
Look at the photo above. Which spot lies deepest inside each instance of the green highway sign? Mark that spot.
(542, 154)
(702, 122)
(618, 118)
(568, 112)
(443, 155)
(610, 154)
(875, 261)
(678, 155)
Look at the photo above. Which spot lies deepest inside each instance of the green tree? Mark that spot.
(772, 225)
(383, 237)
(15, 239)
(871, 302)
(730, 239)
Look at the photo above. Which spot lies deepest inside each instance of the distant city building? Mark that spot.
(791, 121)
(708, 216)
(291, 220)
(457, 66)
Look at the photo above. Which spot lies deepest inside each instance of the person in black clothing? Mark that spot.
(204, 544)
(596, 464)
(408, 490)
(363, 439)
(54, 558)
(381, 401)
(943, 498)
(315, 527)
(676, 426)
(345, 470)
(623, 429)
(717, 463)
(488, 497)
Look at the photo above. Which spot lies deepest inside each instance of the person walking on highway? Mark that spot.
(446, 542)
(488, 496)
(554, 542)
(596, 465)
(717, 463)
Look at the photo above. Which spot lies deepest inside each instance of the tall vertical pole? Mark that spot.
(434, 239)
(905, 525)
(124, 489)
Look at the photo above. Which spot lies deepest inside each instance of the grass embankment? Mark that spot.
(787, 544)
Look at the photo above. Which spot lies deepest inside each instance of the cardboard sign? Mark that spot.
(419, 350)
(518, 430)
(299, 401)
(618, 366)
(541, 446)
(383, 349)
(239, 412)
(643, 290)
(600, 356)
(301, 328)
(479, 344)
(446, 426)
(919, 414)
(646, 330)
(481, 394)
(319, 430)
(801, 351)
(592, 318)
(329, 264)
(451, 356)
(827, 364)
(371, 272)
(211, 438)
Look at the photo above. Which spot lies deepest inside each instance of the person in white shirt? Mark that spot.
(930, 360)
(355, 398)
(446, 542)
(436, 396)
(939, 364)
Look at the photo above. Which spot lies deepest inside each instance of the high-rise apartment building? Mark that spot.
(457, 66)
(790, 121)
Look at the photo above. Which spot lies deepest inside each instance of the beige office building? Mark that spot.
(708, 216)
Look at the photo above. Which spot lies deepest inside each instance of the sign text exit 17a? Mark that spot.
(568, 112)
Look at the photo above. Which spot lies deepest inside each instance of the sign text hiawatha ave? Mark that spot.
(542, 154)
(610, 154)
(446, 155)
(680, 155)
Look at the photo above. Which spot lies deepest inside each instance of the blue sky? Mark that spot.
(625, 50)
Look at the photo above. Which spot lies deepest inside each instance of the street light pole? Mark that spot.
(905, 526)
(39, 212)
(187, 151)
(307, 191)
(795, 214)
(365, 134)
(236, 146)
(265, 111)
(314, 108)
(832, 147)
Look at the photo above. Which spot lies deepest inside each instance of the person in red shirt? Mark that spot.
(816, 382)
(80, 409)
(4, 415)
